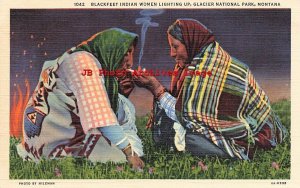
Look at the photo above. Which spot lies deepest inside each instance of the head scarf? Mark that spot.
(194, 36)
(109, 47)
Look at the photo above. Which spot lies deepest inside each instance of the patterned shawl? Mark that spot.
(229, 103)
(228, 106)
(109, 47)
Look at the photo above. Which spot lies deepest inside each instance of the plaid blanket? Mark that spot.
(228, 106)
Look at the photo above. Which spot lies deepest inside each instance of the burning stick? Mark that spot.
(139, 69)
(130, 70)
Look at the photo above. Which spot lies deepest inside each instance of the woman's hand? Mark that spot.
(144, 81)
(133, 159)
(150, 83)
(126, 86)
(135, 162)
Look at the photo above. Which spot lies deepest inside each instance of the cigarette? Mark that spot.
(130, 70)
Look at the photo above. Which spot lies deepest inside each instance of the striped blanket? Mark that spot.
(228, 106)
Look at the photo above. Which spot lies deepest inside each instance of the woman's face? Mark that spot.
(128, 59)
(178, 50)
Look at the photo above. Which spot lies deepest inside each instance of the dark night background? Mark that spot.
(260, 38)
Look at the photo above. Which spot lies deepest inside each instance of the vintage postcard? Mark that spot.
(147, 93)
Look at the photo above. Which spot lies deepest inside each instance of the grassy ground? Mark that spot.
(163, 164)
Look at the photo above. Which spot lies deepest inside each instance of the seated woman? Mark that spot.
(73, 114)
(214, 105)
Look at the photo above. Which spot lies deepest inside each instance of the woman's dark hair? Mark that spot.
(175, 31)
(135, 41)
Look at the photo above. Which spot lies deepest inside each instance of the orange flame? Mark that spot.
(16, 112)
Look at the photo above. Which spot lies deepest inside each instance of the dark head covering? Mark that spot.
(109, 47)
(194, 36)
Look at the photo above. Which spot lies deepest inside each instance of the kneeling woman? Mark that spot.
(222, 111)
(73, 114)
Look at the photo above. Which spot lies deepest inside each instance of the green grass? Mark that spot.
(166, 164)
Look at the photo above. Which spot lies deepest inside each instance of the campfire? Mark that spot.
(20, 100)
